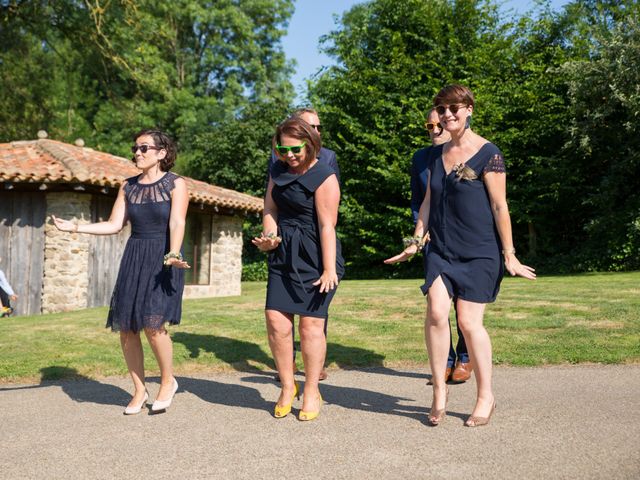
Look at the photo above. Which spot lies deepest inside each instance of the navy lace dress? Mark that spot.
(297, 262)
(147, 294)
(465, 249)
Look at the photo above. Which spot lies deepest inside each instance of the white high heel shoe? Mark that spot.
(137, 408)
(159, 406)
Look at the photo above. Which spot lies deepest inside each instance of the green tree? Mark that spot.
(115, 66)
(605, 106)
(392, 58)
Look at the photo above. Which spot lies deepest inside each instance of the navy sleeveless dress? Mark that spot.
(465, 249)
(147, 294)
(297, 262)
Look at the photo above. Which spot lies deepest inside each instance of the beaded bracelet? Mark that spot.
(170, 255)
(417, 241)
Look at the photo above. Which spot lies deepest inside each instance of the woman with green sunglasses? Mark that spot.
(305, 263)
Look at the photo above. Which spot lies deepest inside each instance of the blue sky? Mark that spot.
(314, 18)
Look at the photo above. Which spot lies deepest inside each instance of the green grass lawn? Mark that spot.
(564, 319)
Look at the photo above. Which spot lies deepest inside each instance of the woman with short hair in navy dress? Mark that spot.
(305, 263)
(466, 215)
(148, 290)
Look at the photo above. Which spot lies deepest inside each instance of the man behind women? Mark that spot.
(327, 157)
(460, 371)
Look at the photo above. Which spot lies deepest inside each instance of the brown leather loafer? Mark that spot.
(461, 373)
(447, 376)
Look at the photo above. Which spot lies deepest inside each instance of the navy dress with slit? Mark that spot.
(465, 249)
(147, 294)
(297, 261)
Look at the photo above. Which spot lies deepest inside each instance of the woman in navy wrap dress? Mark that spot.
(466, 216)
(305, 263)
(148, 290)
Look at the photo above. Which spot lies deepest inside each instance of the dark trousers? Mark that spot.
(6, 301)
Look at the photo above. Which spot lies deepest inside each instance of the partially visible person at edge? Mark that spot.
(305, 261)
(327, 157)
(466, 215)
(150, 283)
(457, 371)
(7, 295)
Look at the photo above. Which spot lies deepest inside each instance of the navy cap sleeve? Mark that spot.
(311, 179)
(315, 176)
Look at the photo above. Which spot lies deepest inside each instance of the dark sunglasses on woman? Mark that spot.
(432, 126)
(440, 109)
(143, 148)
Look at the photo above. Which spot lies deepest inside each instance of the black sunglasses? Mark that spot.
(440, 109)
(318, 127)
(143, 148)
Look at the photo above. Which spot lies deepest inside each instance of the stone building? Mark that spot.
(52, 271)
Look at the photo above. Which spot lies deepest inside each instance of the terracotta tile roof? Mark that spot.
(49, 161)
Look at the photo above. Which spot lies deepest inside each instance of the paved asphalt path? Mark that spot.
(566, 422)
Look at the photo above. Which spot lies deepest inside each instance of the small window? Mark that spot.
(197, 248)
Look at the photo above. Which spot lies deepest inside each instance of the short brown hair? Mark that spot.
(296, 127)
(454, 94)
(161, 140)
(301, 111)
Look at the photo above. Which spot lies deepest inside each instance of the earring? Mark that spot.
(467, 123)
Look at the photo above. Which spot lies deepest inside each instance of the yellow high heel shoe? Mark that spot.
(308, 416)
(282, 411)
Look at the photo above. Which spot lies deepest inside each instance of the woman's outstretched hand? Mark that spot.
(327, 281)
(266, 243)
(64, 225)
(177, 263)
(406, 254)
(514, 267)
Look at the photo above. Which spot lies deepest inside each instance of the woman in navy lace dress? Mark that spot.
(305, 264)
(466, 215)
(148, 291)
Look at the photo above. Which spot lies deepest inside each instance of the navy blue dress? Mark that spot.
(465, 249)
(147, 294)
(297, 262)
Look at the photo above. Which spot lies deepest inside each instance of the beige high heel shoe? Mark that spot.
(480, 421)
(436, 417)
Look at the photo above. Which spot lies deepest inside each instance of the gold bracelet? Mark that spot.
(509, 250)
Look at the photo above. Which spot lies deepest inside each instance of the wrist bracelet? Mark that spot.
(172, 255)
(417, 241)
(509, 250)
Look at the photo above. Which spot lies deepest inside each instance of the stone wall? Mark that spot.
(226, 260)
(66, 255)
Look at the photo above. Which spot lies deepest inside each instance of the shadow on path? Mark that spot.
(82, 389)
(238, 354)
(369, 401)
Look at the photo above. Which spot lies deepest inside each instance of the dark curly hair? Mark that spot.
(161, 140)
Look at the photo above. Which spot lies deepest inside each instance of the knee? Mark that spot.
(155, 335)
(311, 331)
(279, 330)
